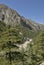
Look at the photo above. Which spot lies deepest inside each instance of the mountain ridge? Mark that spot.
(12, 18)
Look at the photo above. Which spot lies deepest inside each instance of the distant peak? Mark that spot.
(3, 6)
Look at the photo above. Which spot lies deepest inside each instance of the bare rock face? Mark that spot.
(11, 17)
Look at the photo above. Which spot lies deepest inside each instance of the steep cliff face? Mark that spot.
(12, 18)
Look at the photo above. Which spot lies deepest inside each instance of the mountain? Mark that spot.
(21, 40)
(12, 18)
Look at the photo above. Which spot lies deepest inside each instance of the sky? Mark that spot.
(30, 9)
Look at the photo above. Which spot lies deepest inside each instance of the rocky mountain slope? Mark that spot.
(12, 18)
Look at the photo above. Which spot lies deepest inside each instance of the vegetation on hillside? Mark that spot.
(11, 38)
